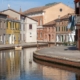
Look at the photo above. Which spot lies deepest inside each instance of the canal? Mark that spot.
(19, 65)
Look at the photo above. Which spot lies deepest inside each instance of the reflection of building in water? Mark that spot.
(9, 64)
(2, 65)
(57, 74)
(28, 57)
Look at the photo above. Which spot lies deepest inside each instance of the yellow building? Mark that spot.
(13, 31)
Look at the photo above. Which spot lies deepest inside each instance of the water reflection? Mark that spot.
(57, 74)
(19, 65)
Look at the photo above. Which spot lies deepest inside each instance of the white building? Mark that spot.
(31, 30)
(28, 29)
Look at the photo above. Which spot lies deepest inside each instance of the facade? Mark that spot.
(49, 32)
(3, 18)
(63, 33)
(31, 30)
(40, 34)
(22, 29)
(12, 31)
(77, 12)
(46, 14)
(26, 34)
(28, 30)
(18, 16)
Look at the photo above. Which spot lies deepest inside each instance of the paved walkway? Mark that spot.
(61, 52)
(10, 46)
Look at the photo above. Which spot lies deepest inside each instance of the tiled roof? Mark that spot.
(13, 11)
(54, 21)
(3, 14)
(32, 18)
(11, 18)
(65, 16)
(38, 9)
(49, 23)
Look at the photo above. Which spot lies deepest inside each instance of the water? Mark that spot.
(19, 65)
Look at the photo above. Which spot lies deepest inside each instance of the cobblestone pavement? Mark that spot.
(62, 52)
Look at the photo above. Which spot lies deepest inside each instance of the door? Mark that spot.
(49, 37)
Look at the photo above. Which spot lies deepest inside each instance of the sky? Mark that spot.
(27, 4)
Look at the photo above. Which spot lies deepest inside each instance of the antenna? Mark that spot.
(8, 6)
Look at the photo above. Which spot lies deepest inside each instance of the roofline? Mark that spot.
(31, 18)
(13, 11)
(41, 10)
(49, 24)
(53, 5)
(3, 14)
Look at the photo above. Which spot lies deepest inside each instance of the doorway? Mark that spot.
(49, 37)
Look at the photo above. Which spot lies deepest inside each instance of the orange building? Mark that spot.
(77, 12)
(45, 15)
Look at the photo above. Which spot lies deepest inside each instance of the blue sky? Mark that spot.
(26, 4)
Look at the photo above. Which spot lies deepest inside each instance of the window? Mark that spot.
(60, 9)
(24, 27)
(0, 38)
(0, 24)
(66, 29)
(77, 4)
(40, 35)
(4, 24)
(30, 26)
(24, 37)
(40, 21)
(59, 28)
(52, 36)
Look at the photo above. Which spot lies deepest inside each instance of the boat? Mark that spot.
(18, 47)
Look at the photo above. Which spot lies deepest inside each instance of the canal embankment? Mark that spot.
(68, 56)
(23, 45)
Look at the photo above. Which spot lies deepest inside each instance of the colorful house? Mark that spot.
(63, 33)
(12, 31)
(46, 14)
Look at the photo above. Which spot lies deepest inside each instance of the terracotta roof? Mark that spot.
(32, 18)
(50, 23)
(3, 14)
(65, 16)
(9, 17)
(13, 11)
(38, 9)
